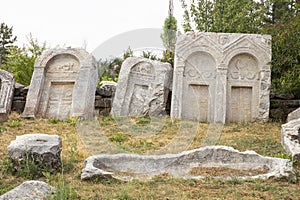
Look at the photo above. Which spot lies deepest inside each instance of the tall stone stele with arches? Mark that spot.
(222, 77)
(7, 85)
(63, 85)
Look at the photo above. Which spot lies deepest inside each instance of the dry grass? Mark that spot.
(139, 135)
(224, 171)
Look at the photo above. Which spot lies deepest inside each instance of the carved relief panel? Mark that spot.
(243, 88)
(61, 73)
(198, 87)
(221, 77)
(60, 100)
(63, 85)
(142, 88)
(7, 84)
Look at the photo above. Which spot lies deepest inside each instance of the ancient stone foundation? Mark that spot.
(222, 77)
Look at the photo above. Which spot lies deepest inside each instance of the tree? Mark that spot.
(109, 69)
(169, 36)
(243, 16)
(6, 39)
(280, 11)
(20, 61)
(286, 56)
(169, 33)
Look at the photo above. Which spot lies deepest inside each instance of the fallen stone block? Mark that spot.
(33, 190)
(41, 149)
(107, 88)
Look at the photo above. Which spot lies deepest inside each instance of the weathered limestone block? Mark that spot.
(31, 190)
(7, 84)
(290, 138)
(222, 77)
(188, 164)
(63, 85)
(42, 149)
(107, 88)
(294, 115)
(143, 87)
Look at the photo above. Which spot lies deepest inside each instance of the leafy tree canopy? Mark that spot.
(20, 61)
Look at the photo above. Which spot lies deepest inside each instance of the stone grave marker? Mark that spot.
(63, 85)
(7, 84)
(222, 77)
(142, 89)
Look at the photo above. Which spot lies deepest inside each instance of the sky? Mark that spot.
(79, 23)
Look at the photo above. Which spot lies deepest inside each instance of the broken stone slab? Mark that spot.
(290, 138)
(33, 190)
(42, 149)
(7, 85)
(294, 115)
(187, 164)
(142, 89)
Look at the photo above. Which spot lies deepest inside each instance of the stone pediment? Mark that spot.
(246, 41)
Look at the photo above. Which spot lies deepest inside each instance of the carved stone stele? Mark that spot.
(7, 85)
(222, 77)
(63, 85)
(143, 87)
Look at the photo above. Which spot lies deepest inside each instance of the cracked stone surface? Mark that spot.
(184, 165)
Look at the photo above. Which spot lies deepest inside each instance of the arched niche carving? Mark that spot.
(242, 88)
(199, 87)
